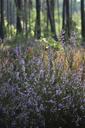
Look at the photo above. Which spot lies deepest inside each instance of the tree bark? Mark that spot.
(50, 11)
(2, 20)
(38, 21)
(66, 17)
(82, 20)
(18, 22)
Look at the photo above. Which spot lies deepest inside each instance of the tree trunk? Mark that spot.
(29, 15)
(82, 20)
(2, 20)
(38, 24)
(66, 17)
(26, 18)
(18, 24)
(59, 21)
(63, 15)
(50, 10)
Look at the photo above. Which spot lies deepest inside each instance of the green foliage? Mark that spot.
(10, 30)
(52, 43)
(77, 21)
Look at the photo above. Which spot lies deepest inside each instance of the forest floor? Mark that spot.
(42, 86)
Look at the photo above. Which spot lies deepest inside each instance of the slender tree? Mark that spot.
(50, 11)
(58, 7)
(82, 20)
(29, 14)
(63, 15)
(2, 19)
(18, 22)
(66, 17)
(38, 21)
(25, 10)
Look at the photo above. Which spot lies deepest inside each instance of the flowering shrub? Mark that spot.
(43, 91)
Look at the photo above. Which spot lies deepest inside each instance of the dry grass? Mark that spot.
(71, 59)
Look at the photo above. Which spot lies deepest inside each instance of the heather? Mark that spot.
(42, 85)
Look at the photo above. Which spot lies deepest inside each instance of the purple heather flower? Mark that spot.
(58, 92)
(17, 51)
(21, 61)
(60, 106)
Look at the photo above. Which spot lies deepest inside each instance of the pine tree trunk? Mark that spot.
(50, 9)
(2, 20)
(18, 22)
(82, 20)
(38, 17)
(66, 17)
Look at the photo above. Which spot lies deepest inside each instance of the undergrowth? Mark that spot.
(41, 86)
